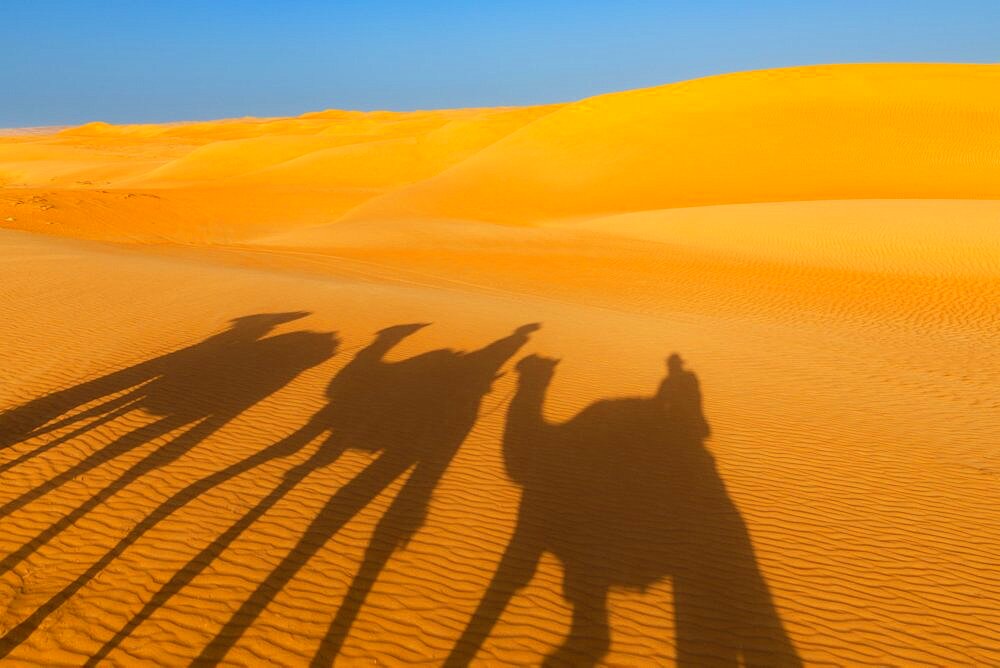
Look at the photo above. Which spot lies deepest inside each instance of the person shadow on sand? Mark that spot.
(190, 394)
(414, 413)
(625, 494)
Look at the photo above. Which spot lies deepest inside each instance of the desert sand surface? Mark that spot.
(702, 374)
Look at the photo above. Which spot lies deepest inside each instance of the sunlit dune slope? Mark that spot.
(833, 132)
(920, 131)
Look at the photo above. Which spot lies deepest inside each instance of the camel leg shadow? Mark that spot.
(286, 447)
(516, 569)
(79, 431)
(341, 507)
(187, 573)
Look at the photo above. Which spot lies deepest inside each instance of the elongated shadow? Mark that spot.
(415, 413)
(55, 410)
(625, 494)
(195, 392)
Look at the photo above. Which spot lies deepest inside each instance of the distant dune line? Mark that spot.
(867, 131)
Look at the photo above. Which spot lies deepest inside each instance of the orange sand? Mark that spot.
(218, 444)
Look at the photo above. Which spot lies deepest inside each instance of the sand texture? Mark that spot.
(704, 374)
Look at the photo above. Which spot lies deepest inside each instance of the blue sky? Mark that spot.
(65, 62)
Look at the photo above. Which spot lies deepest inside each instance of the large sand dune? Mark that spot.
(287, 389)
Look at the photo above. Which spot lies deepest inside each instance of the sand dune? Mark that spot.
(702, 374)
(229, 180)
(817, 133)
(841, 132)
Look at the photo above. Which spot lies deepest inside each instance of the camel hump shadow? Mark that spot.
(420, 407)
(221, 380)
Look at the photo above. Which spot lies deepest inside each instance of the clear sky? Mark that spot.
(74, 61)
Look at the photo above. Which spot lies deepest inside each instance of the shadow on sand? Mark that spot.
(191, 393)
(415, 413)
(624, 494)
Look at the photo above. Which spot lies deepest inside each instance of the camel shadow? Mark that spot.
(188, 395)
(625, 494)
(413, 414)
(122, 391)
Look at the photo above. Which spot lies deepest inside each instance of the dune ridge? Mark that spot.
(701, 374)
(879, 131)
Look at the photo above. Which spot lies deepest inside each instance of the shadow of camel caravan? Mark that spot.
(189, 395)
(414, 414)
(625, 494)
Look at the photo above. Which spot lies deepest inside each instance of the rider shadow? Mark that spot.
(414, 413)
(625, 494)
(191, 393)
